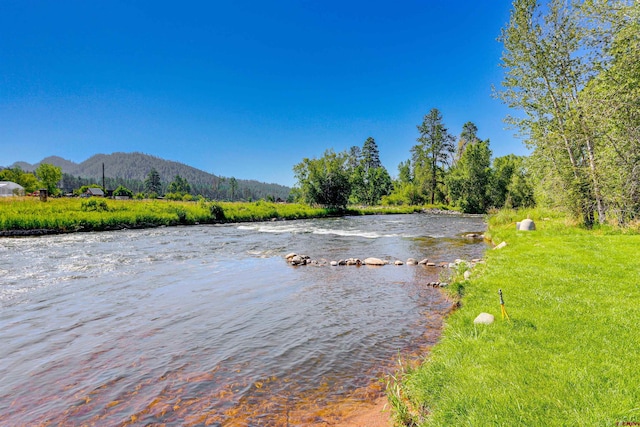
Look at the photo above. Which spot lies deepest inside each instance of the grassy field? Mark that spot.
(569, 356)
(68, 215)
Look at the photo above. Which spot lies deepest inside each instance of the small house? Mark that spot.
(9, 188)
(95, 192)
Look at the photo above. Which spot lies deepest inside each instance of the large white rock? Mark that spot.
(374, 261)
(484, 319)
(526, 225)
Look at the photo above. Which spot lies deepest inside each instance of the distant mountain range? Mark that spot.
(131, 169)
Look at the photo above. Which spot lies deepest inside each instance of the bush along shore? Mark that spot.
(29, 216)
(566, 353)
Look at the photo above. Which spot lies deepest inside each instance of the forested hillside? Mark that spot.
(131, 170)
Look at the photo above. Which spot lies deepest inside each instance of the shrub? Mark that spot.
(97, 205)
(216, 211)
(123, 191)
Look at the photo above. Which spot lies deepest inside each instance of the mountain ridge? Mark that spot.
(136, 166)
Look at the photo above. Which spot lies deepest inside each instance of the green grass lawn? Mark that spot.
(570, 356)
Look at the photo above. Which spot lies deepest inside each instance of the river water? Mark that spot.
(208, 325)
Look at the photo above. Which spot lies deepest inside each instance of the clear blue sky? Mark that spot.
(244, 88)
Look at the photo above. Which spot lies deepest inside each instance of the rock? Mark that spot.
(467, 275)
(476, 260)
(398, 262)
(291, 255)
(333, 263)
(431, 264)
(374, 261)
(526, 225)
(501, 245)
(342, 262)
(412, 261)
(443, 284)
(484, 319)
(424, 261)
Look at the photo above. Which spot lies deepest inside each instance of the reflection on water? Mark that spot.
(208, 325)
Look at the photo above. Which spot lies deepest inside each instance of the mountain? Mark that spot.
(131, 169)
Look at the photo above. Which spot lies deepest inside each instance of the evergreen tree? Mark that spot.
(467, 137)
(432, 155)
(370, 155)
(370, 181)
(180, 186)
(152, 184)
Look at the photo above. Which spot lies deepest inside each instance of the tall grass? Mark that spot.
(570, 354)
(66, 215)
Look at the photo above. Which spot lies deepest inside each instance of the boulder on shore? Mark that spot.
(526, 225)
(484, 319)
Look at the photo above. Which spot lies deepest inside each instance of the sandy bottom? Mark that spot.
(371, 414)
(376, 415)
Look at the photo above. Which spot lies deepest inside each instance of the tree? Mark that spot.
(552, 51)
(17, 175)
(324, 181)
(152, 183)
(123, 192)
(510, 184)
(432, 154)
(370, 154)
(179, 186)
(611, 104)
(469, 179)
(370, 181)
(467, 137)
(49, 176)
(233, 187)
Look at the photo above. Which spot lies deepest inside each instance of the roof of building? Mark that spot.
(95, 191)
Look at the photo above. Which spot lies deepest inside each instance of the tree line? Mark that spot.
(438, 172)
(572, 70)
(572, 74)
(56, 182)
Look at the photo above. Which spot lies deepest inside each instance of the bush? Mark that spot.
(217, 212)
(123, 191)
(95, 205)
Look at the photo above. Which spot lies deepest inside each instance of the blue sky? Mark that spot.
(245, 88)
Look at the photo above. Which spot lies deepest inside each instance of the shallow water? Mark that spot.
(208, 325)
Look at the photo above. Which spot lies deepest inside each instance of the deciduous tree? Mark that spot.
(49, 176)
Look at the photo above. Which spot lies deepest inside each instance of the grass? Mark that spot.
(570, 354)
(27, 214)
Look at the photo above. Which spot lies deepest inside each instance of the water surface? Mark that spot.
(208, 325)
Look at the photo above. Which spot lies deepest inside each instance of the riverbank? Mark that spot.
(28, 216)
(569, 352)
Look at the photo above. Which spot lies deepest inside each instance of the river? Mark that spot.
(208, 324)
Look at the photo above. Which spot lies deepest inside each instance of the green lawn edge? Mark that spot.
(569, 356)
